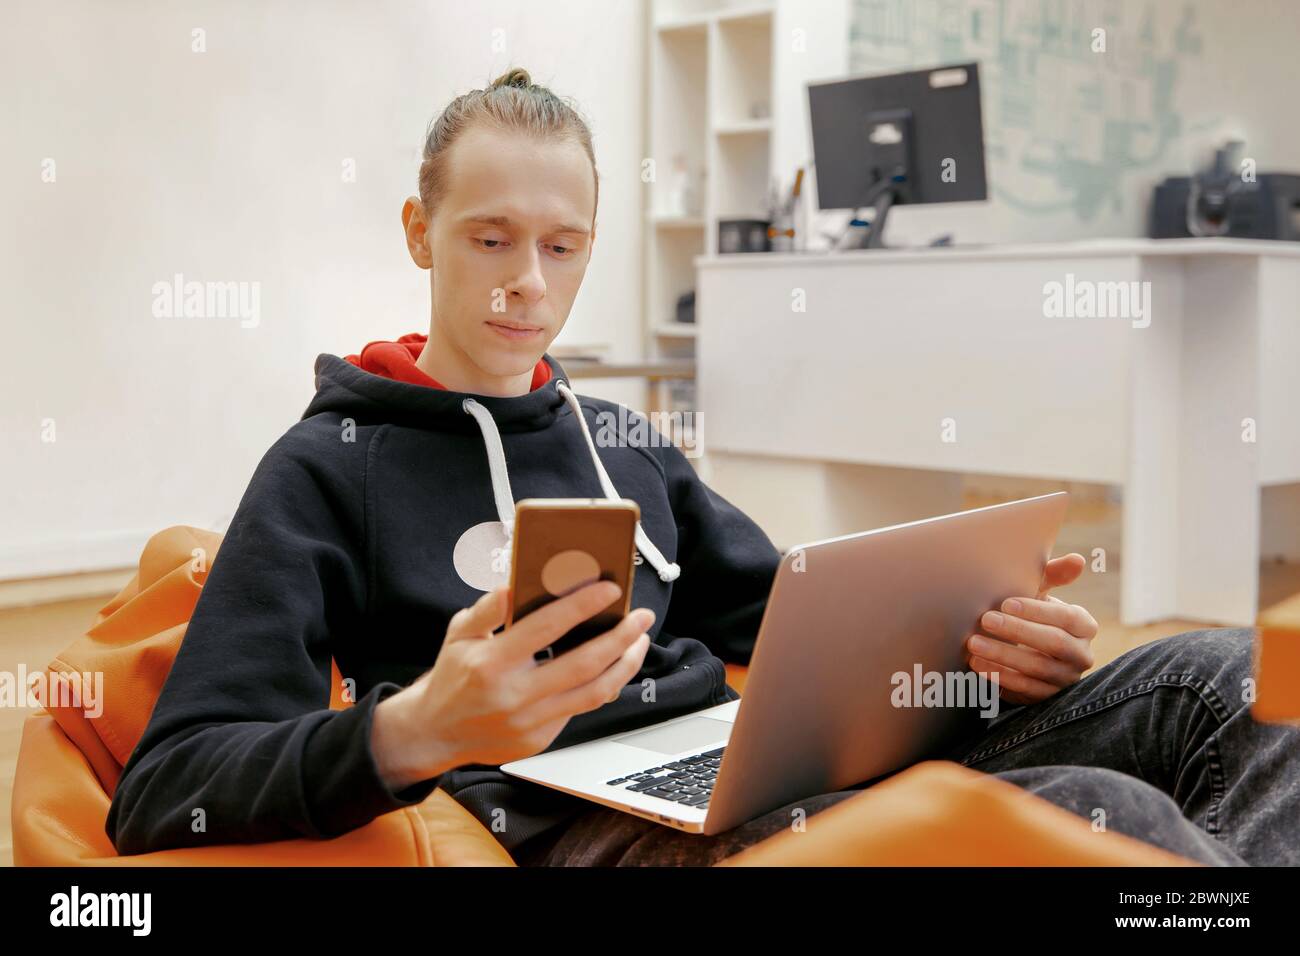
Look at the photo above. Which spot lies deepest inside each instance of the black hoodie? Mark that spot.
(363, 530)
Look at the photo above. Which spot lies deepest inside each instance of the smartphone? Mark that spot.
(562, 544)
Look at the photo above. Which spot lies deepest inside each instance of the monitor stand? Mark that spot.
(882, 197)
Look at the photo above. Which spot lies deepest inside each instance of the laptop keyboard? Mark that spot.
(686, 780)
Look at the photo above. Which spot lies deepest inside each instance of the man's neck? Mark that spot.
(442, 361)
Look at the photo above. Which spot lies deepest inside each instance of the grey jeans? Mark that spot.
(1160, 740)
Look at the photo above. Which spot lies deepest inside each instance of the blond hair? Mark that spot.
(511, 102)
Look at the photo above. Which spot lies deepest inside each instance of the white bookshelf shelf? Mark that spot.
(688, 21)
(727, 97)
(661, 221)
(743, 13)
(744, 128)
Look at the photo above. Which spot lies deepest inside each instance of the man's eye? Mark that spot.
(487, 241)
(562, 249)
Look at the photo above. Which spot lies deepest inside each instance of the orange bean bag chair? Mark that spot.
(1277, 664)
(937, 812)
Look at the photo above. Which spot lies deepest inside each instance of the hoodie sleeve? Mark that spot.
(727, 566)
(242, 746)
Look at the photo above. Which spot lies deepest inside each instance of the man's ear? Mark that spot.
(416, 227)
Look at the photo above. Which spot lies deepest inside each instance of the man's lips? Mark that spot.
(514, 331)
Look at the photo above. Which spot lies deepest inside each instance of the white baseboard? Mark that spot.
(63, 587)
(57, 557)
(43, 572)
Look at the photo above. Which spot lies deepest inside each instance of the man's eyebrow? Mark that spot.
(507, 221)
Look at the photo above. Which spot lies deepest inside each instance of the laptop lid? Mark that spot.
(852, 626)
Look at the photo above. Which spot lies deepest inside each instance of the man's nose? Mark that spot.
(529, 283)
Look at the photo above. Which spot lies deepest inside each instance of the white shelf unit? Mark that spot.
(711, 104)
(727, 91)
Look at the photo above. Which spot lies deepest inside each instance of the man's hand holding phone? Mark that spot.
(487, 701)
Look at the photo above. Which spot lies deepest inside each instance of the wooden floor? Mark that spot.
(34, 635)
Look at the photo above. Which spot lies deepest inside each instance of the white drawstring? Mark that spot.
(505, 501)
(505, 498)
(667, 571)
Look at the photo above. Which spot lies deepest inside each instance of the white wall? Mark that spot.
(226, 165)
(1077, 139)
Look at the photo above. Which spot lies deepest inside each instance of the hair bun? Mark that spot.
(516, 77)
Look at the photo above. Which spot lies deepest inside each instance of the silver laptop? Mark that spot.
(852, 625)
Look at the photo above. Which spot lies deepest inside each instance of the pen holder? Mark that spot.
(781, 233)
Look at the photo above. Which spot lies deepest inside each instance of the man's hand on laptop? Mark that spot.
(487, 701)
(1036, 645)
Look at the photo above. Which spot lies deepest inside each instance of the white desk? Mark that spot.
(900, 350)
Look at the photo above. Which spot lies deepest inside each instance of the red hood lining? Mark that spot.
(396, 361)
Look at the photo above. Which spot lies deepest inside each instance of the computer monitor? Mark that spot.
(882, 141)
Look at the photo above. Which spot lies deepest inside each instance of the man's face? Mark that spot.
(507, 246)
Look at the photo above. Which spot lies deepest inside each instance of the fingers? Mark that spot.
(529, 634)
(588, 661)
(1024, 660)
(1062, 571)
(480, 618)
(594, 693)
(1017, 687)
(1050, 639)
(1071, 618)
(1055, 638)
